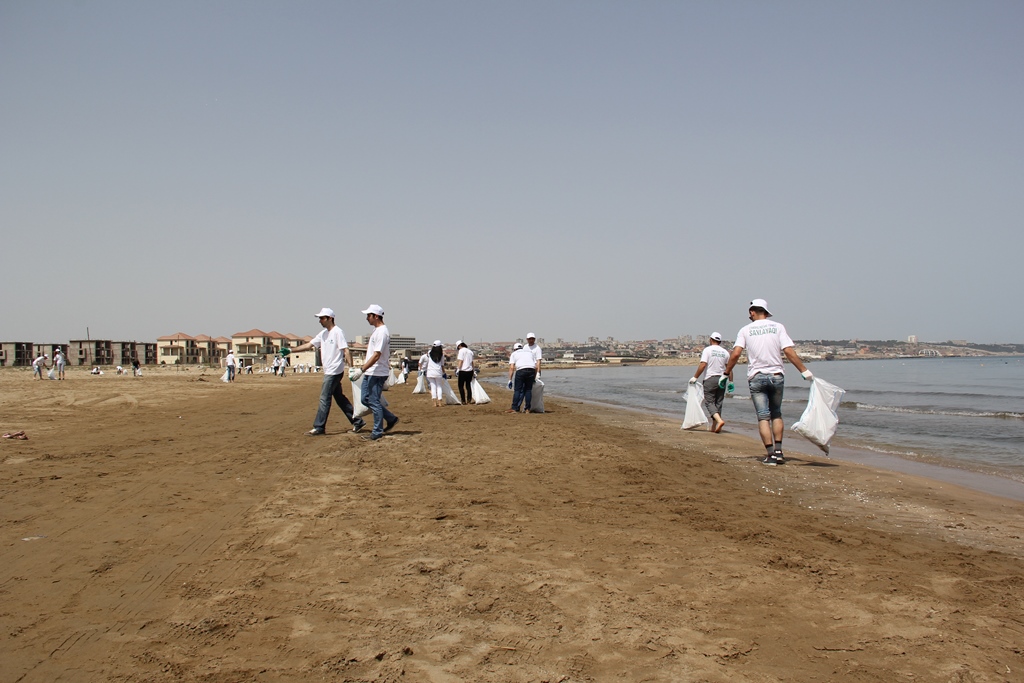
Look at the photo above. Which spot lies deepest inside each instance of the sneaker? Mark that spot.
(358, 425)
(769, 460)
(779, 458)
(389, 425)
(315, 432)
(371, 437)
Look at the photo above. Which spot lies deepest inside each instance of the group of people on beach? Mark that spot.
(432, 367)
(766, 342)
(42, 361)
(374, 373)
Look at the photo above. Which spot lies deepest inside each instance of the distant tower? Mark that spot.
(912, 339)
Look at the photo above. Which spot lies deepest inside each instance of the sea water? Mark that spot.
(963, 411)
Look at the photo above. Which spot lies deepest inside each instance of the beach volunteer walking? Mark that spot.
(375, 371)
(712, 361)
(334, 354)
(766, 341)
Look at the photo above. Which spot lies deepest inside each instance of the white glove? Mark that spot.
(693, 380)
(806, 374)
(355, 373)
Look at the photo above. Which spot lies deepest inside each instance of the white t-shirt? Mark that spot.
(535, 350)
(229, 360)
(332, 347)
(522, 358)
(380, 340)
(39, 362)
(422, 367)
(764, 341)
(434, 369)
(716, 357)
(465, 359)
(59, 359)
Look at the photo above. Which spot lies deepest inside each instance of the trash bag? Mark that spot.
(52, 374)
(359, 408)
(694, 416)
(421, 384)
(537, 397)
(819, 421)
(400, 378)
(392, 380)
(449, 396)
(224, 377)
(479, 395)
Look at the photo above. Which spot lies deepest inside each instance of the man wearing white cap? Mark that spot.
(59, 361)
(713, 360)
(38, 364)
(766, 341)
(522, 373)
(464, 365)
(229, 362)
(334, 353)
(375, 371)
(532, 347)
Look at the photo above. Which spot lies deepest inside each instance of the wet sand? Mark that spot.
(175, 528)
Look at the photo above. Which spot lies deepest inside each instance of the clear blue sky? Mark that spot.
(485, 169)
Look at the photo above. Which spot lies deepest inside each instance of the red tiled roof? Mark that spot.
(174, 337)
(252, 333)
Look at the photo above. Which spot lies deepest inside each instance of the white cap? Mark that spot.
(437, 342)
(716, 336)
(760, 303)
(531, 335)
(329, 312)
(458, 342)
(517, 346)
(375, 309)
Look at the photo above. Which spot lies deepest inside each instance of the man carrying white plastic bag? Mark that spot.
(820, 419)
(694, 416)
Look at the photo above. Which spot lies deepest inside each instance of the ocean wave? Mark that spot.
(1002, 415)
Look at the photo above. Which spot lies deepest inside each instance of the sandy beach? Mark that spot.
(176, 528)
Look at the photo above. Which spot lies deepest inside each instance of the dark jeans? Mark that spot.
(465, 384)
(331, 388)
(373, 386)
(524, 380)
(231, 372)
(766, 393)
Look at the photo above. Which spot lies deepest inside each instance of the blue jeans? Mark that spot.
(231, 373)
(373, 387)
(523, 387)
(331, 388)
(766, 393)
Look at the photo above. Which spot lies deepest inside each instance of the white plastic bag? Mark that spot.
(52, 374)
(392, 380)
(480, 396)
(449, 396)
(537, 397)
(694, 416)
(224, 377)
(421, 384)
(359, 408)
(819, 421)
(400, 378)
